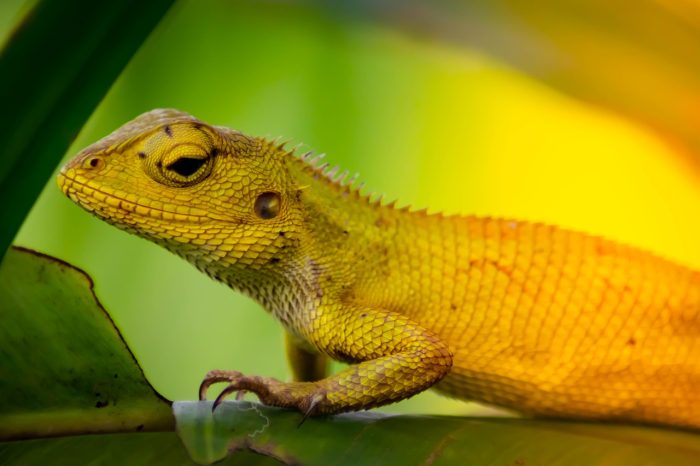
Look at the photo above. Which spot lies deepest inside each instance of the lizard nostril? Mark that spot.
(94, 162)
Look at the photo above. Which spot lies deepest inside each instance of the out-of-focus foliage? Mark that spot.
(641, 59)
(421, 119)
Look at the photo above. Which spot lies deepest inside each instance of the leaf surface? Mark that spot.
(380, 439)
(64, 368)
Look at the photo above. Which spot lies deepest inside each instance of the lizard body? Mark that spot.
(531, 317)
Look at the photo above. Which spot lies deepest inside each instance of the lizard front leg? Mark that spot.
(395, 359)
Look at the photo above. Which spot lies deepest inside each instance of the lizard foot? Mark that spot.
(307, 397)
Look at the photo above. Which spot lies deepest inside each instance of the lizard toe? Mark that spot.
(216, 376)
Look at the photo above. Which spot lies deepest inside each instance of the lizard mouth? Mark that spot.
(112, 205)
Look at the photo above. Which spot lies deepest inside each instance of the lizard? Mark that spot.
(531, 317)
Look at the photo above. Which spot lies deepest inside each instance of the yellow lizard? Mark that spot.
(527, 316)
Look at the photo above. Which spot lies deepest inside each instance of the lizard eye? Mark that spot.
(186, 166)
(267, 205)
(184, 170)
(180, 170)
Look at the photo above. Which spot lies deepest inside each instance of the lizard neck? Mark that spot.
(282, 291)
(283, 295)
(342, 228)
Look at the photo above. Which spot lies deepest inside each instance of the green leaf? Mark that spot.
(141, 449)
(379, 439)
(64, 368)
(54, 70)
(150, 448)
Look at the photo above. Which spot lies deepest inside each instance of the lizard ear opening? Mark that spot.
(267, 205)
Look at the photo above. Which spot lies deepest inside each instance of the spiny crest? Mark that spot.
(340, 180)
(343, 181)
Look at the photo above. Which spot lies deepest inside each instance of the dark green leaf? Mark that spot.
(53, 72)
(142, 449)
(376, 439)
(64, 368)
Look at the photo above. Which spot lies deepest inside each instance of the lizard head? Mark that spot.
(207, 193)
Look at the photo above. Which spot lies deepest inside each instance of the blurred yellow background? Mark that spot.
(429, 124)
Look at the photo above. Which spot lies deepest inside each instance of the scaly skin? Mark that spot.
(531, 317)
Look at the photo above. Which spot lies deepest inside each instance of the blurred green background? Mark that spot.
(422, 121)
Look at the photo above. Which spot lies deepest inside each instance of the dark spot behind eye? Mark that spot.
(214, 152)
(186, 166)
(142, 155)
(168, 131)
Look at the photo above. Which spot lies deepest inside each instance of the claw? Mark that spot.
(203, 387)
(303, 419)
(224, 393)
(314, 402)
